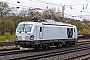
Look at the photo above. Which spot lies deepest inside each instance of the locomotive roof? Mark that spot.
(28, 22)
(50, 22)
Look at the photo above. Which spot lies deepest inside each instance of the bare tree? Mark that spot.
(4, 9)
(85, 21)
(51, 14)
(23, 13)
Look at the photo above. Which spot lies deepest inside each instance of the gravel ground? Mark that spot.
(69, 55)
(6, 43)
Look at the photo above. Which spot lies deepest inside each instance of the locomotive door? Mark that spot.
(70, 32)
(40, 32)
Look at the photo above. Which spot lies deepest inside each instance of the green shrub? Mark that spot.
(7, 35)
(12, 38)
(2, 38)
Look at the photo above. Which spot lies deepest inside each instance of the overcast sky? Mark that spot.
(80, 8)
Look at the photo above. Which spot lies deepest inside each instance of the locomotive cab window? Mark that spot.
(24, 28)
(74, 30)
(20, 28)
(28, 28)
(40, 29)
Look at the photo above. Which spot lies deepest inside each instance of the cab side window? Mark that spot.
(40, 29)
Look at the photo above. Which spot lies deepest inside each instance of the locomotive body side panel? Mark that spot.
(51, 32)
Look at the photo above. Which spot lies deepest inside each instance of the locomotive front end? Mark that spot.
(24, 36)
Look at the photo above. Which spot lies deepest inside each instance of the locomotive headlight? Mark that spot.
(16, 38)
(31, 37)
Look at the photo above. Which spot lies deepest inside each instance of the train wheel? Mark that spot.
(63, 44)
(59, 45)
(73, 43)
(36, 47)
(46, 46)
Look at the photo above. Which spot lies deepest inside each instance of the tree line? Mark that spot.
(9, 18)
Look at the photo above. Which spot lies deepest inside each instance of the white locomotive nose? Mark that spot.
(23, 37)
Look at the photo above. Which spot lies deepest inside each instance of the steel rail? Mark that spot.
(5, 52)
(86, 58)
(9, 49)
(13, 52)
(46, 55)
(79, 57)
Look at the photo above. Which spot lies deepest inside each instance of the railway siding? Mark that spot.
(63, 53)
(54, 57)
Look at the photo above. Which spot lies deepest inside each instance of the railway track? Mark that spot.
(13, 52)
(46, 55)
(4, 52)
(86, 58)
(9, 49)
(80, 57)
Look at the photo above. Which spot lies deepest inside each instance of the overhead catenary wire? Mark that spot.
(44, 2)
(57, 4)
(64, 5)
(53, 3)
(76, 9)
(87, 1)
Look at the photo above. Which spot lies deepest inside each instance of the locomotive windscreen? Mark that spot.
(24, 28)
(28, 28)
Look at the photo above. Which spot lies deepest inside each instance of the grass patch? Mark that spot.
(7, 37)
